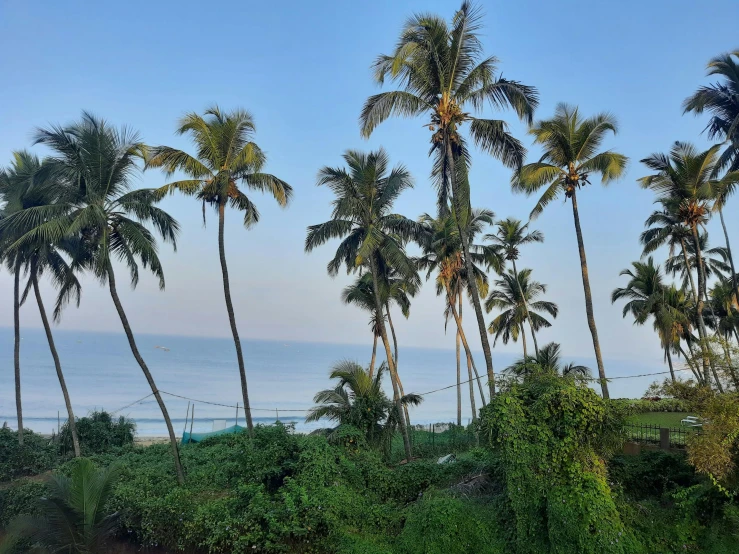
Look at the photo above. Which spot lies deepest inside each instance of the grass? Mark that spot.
(661, 419)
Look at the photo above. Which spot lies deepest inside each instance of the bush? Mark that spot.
(18, 499)
(441, 524)
(651, 473)
(549, 436)
(35, 456)
(645, 406)
(98, 433)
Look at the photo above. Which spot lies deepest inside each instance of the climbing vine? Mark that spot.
(549, 436)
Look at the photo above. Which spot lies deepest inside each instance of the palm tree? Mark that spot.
(508, 239)
(442, 72)
(548, 361)
(73, 517)
(645, 295)
(358, 400)
(361, 294)
(713, 259)
(516, 295)
(570, 156)
(682, 181)
(442, 252)
(721, 100)
(226, 157)
(725, 320)
(371, 233)
(15, 182)
(93, 165)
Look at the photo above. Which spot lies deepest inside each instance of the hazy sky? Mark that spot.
(302, 69)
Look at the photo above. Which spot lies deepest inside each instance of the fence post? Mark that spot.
(664, 438)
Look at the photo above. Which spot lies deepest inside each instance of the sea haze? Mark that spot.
(283, 377)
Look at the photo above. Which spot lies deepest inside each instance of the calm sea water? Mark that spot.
(282, 376)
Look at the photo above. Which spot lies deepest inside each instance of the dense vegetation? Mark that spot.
(546, 476)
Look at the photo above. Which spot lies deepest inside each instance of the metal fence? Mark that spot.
(654, 434)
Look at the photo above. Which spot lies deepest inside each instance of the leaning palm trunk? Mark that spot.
(395, 348)
(57, 363)
(699, 305)
(391, 364)
(526, 309)
(689, 361)
(728, 251)
(589, 298)
(523, 340)
(469, 368)
(458, 320)
(474, 292)
(231, 316)
(147, 373)
(374, 356)
(669, 362)
(17, 346)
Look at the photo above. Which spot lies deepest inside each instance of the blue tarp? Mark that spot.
(197, 437)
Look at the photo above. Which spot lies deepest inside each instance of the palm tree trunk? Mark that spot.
(669, 362)
(17, 346)
(729, 364)
(459, 372)
(459, 385)
(390, 362)
(458, 321)
(523, 337)
(589, 298)
(472, 284)
(472, 387)
(374, 355)
(57, 364)
(526, 308)
(688, 360)
(728, 250)
(700, 303)
(392, 332)
(147, 373)
(231, 316)
(395, 348)
(687, 268)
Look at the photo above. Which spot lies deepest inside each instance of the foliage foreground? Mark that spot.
(544, 480)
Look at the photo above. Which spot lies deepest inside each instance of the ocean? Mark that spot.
(283, 377)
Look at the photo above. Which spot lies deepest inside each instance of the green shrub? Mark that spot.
(651, 473)
(549, 436)
(440, 524)
(643, 406)
(98, 433)
(19, 498)
(35, 456)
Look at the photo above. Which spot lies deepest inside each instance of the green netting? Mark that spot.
(197, 437)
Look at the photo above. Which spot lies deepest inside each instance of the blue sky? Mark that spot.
(302, 69)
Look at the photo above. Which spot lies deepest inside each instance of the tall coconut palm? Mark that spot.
(73, 517)
(515, 294)
(15, 183)
(226, 158)
(94, 165)
(442, 252)
(358, 400)
(444, 76)
(571, 155)
(361, 294)
(683, 184)
(721, 100)
(645, 296)
(393, 290)
(371, 233)
(510, 235)
(44, 257)
(548, 361)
